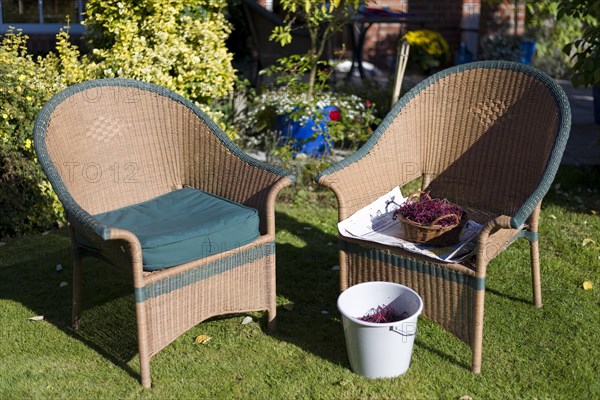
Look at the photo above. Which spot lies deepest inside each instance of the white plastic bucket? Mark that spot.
(379, 350)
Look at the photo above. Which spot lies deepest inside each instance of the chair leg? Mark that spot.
(535, 274)
(77, 286)
(343, 271)
(140, 312)
(272, 293)
(477, 341)
(535, 257)
(272, 321)
(145, 371)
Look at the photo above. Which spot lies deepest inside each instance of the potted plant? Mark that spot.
(429, 50)
(308, 124)
(299, 103)
(585, 51)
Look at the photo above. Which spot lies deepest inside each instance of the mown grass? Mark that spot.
(550, 352)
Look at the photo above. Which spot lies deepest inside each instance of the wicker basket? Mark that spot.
(433, 235)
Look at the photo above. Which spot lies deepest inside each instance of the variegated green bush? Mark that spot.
(179, 44)
(26, 83)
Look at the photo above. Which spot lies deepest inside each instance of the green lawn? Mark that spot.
(543, 353)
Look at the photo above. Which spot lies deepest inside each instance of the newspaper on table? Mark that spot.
(374, 223)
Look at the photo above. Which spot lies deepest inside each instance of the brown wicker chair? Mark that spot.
(488, 136)
(116, 144)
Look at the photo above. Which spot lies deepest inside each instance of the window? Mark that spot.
(56, 10)
(40, 16)
(19, 11)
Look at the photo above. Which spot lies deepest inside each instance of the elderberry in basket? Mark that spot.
(428, 220)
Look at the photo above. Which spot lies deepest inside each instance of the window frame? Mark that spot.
(41, 27)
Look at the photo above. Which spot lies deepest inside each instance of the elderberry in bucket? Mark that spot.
(383, 314)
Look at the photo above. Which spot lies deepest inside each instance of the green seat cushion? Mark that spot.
(185, 225)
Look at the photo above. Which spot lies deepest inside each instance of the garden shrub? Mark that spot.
(177, 44)
(26, 199)
(552, 35)
(501, 46)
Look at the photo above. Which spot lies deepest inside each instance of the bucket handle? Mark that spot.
(399, 331)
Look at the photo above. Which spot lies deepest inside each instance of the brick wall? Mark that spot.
(501, 18)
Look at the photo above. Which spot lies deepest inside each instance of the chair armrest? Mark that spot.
(81, 220)
(250, 177)
(260, 191)
(492, 239)
(119, 246)
(238, 177)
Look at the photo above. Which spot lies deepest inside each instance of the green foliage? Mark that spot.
(304, 168)
(585, 50)
(428, 49)
(372, 91)
(321, 19)
(26, 199)
(501, 46)
(178, 44)
(290, 71)
(299, 99)
(552, 35)
(579, 8)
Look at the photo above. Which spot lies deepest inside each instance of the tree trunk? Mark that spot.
(312, 77)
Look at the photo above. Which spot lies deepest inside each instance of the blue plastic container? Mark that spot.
(463, 55)
(527, 51)
(302, 136)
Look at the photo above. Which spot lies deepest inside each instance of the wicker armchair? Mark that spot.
(488, 136)
(149, 183)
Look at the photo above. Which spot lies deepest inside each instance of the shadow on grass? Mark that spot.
(28, 276)
(445, 356)
(575, 188)
(306, 280)
(108, 324)
(527, 301)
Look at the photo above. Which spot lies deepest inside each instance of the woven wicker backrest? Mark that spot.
(116, 145)
(486, 135)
